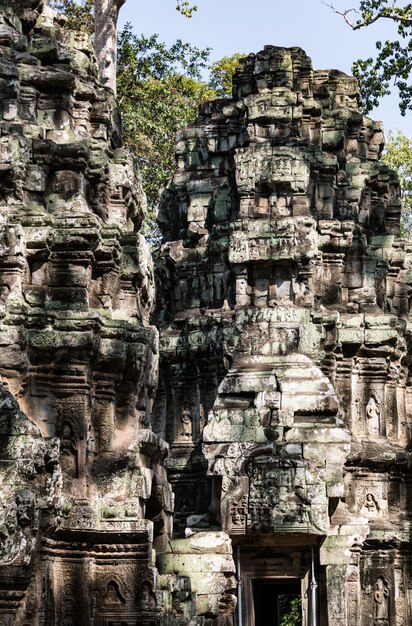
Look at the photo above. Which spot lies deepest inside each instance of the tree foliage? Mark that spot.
(79, 14)
(185, 8)
(291, 610)
(221, 74)
(398, 155)
(159, 92)
(392, 64)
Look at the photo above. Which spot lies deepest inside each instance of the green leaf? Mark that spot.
(221, 74)
(398, 156)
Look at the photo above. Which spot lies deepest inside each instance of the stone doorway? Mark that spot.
(277, 602)
(272, 576)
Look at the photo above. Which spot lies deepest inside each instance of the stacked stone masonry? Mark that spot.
(283, 301)
(245, 398)
(84, 493)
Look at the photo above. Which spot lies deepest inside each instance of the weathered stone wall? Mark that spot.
(283, 304)
(84, 495)
(283, 296)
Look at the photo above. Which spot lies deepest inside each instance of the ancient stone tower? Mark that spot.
(268, 430)
(283, 304)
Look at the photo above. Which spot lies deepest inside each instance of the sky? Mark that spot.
(229, 26)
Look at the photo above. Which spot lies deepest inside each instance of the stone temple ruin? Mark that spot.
(222, 436)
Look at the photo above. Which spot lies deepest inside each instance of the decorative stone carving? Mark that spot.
(113, 597)
(282, 370)
(146, 600)
(81, 471)
(381, 602)
(370, 507)
(186, 423)
(292, 329)
(25, 507)
(69, 451)
(372, 415)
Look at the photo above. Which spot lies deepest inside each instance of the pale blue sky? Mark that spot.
(229, 26)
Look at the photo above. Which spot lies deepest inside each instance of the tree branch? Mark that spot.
(393, 15)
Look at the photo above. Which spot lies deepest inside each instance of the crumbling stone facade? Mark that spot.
(271, 422)
(84, 494)
(283, 305)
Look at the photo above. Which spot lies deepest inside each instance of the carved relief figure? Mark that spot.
(25, 504)
(112, 597)
(237, 515)
(370, 507)
(186, 422)
(146, 601)
(373, 415)
(68, 451)
(381, 600)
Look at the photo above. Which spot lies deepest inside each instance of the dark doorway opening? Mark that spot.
(277, 602)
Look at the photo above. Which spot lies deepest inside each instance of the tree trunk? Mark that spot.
(105, 31)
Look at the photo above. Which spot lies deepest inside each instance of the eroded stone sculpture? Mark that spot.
(283, 390)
